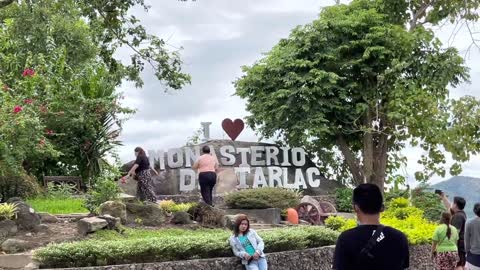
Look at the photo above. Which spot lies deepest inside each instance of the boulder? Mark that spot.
(90, 224)
(114, 209)
(15, 245)
(181, 218)
(229, 221)
(48, 218)
(27, 218)
(149, 214)
(208, 216)
(113, 223)
(7, 228)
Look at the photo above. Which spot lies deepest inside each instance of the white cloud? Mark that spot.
(218, 37)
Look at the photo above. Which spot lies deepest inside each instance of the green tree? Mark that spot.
(67, 49)
(357, 82)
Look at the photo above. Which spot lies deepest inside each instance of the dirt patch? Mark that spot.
(63, 231)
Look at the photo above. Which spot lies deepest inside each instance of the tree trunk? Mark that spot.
(352, 162)
(368, 148)
(380, 161)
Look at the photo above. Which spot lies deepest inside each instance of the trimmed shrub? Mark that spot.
(343, 199)
(168, 245)
(340, 224)
(262, 198)
(18, 186)
(429, 202)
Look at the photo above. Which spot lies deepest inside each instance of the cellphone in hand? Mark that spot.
(438, 191)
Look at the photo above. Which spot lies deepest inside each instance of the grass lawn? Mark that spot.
(58, 206)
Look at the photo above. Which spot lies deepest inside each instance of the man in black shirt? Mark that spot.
(370, 245)
(459, 218)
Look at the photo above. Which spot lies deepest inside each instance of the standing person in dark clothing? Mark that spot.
(141, 169)
(459, 218)
(371, 245)
(472, 240)
(207, 166)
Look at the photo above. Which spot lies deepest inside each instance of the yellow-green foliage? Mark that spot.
(172, 207)
(7, 211)
(398, 215)
(409, 220)
(340, 224)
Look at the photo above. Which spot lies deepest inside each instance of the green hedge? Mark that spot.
(262, 198)
(141, 246)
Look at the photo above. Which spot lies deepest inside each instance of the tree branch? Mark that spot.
(4, 3)
(419, 14)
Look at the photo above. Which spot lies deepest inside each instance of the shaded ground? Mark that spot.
(63, 231)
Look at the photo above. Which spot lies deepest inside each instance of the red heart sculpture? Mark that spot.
(233, 128)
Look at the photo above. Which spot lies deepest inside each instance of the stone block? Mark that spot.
(48, 218)
(15, 245)
(90, 224)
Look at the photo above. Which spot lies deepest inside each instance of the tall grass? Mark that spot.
(57, 205)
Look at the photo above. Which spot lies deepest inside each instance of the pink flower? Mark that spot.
(28, 101)
(28, 72)
(17, 109)
(49, 132)
(42, 142)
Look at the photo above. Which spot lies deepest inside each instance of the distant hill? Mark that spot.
(467, 187)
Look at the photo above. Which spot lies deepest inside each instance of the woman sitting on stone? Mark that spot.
(444, 246)
(247, 245)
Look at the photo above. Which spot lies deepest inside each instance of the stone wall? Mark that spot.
(315, 258)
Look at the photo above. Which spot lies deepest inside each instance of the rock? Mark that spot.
(90, 224)
(303, 222)
(48, 218)
(229, 221)
(114, 209)
(42, 228)
(150, 214)
(7, 228)
(208, 215)
(15, 245)
(113, 223)
(26, 219)
(181, 218)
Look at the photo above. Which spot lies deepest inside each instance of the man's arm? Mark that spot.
(468, 232)
(340, 258)
(445, 201)
(406, 251)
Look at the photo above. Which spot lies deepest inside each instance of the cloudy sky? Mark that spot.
(218, 37)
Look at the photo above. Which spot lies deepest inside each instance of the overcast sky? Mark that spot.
(218, 37)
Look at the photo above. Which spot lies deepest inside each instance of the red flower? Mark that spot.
(28, 101)
(28, 72)
(49, 132)
(5, 87)
(17, 109)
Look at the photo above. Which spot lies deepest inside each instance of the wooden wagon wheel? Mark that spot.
(309, 212)
(327, 207)
(328, 210)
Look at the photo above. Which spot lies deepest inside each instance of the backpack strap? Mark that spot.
(372, 242)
